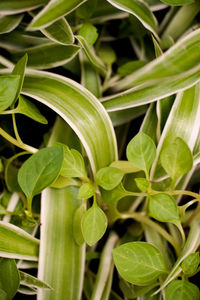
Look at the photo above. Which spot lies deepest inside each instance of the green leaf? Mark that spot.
(40, 170)
(125, 166)
(8, 90)
(17, 243)
(9, 277)
(86, 10)
(86, 191)
(3, 295)
(142, 184)
(141, 151)
(177, 2)
(77, 107)
(176, 158)
(139, 263)
(182, 290)
(93, 224)
(73, 163)
(175, 70)
(163, 208)
(53, 11)
(89, 33)
(59, 32)
(130, 67)
(48, 55)
(19, 69)
(29, 109)
(93, 58)
(107, 54)
(31, 281)
(77, 231)
(9, 23)
(190, 263)
(62, 182)
(140, 10)
(109, 177)
(10, 7)
(113, 196)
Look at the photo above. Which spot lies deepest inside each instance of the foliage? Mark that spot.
(83, 190)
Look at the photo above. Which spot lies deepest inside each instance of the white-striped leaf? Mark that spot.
(49, 55)
(80, 109)
(11, 7)
(17, 243)
(53, 11)
(9, 23)
(140, 10)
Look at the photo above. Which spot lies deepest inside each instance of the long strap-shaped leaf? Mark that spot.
(176, 70)
(140, 10)
(61, 260)
(80, 109)
(11, 7)
(17, 243)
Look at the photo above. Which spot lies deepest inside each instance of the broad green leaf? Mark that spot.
(93, 58)
(59, 32)
(73, 163)
(49, 55)
(29, 109)
(93, 224)
(182, 290)
(176, 158)
(141, 151)
(9, 23)
(89, 33)
(109, 177)
(10, 7)
(107, 54)
(9, 277)
(53, 11)
(142, 183)
(125, 166)
(62, 182)
(191, 263)
(40, 170)
(140, 10)
(139, 263)
(80, 109)
(3, 295)
(86, 10)
(19, 69)
(113, 196)
(132, 292)
(163, 208)
(175, 70)
(8, 90)
(90, 79)
(77, 232)
(86, 191)
(31, 281)
(177, 2)
(130, 67)
(17, 243)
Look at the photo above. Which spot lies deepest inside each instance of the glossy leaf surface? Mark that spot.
(182, 290)
(109, 177)
(9, 277)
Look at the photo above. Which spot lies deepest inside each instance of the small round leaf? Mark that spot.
(109, 177)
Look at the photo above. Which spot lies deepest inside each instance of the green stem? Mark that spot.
(16, 130)
(143, 219)
(16, 143)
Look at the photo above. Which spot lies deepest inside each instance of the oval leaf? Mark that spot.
(8, 90)
(182, 290)
(191, 263)
(9, 277)
(86, 191)
(176, 158)
(139, 263)
(141, 151)
(40, 170)
(93, 225)
(163, 208)
(109, 177)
